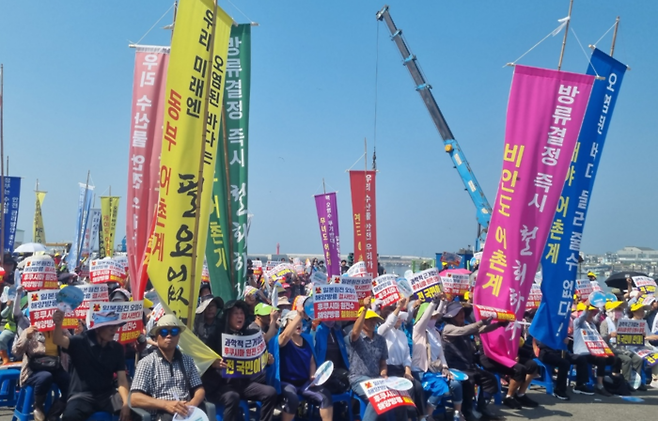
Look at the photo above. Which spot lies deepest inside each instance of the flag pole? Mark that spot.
(82, 219)
(614, 37)
(2, 169)
(197, 216)
(566, 32)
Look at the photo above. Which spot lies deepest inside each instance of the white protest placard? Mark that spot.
(318, 278)
(278, 273)
(455, 284)
(106, 270)
(645, 284)
(122, 259)
(385, 289)
(534, 297)
(38, 273)
(583, 288)
(426, 284)
(357, 269)
(92, 292)
(595, 343)
(245, 356)
(335, 302)
(362, 285)
(631, 332)
(382, 398)
(102, 313)
(595, 286)
(42, 305)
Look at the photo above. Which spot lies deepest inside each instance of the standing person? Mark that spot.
(367, 354)
(229, 391)
(96, 358)
(166, 381)
(343, 267)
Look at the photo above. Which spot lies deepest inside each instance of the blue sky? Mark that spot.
(68, 86)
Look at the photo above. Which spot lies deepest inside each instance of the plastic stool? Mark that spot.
(546, 379)
(24, 410)
(8, 380)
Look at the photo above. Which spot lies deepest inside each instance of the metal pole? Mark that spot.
(323, 187)
(81, 234)
(564, 40)
(2, 169)
(614, 37)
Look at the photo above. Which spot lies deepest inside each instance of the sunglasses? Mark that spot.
(164, 332)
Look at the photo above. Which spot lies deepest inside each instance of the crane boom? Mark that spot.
(483, 209)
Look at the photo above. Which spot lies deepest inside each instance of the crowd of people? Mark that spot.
(433, 344)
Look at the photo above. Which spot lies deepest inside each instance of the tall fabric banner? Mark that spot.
(93, 227)
(38, 233)
(362, 186)
(226, 252)
(84, 205)
(109, 211)
(194, 94)
(147, 116)
(560, 258)
(544, 115)
(328, 218)
(12, 200)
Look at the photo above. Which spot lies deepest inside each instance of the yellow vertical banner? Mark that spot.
(193, 99)
(109, 211)
(38, 232)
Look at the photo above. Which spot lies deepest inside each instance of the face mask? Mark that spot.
(618, 314)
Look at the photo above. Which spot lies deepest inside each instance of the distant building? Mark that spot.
(637, 254)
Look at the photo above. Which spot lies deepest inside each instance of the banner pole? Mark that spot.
(81, 234)
(197, 216)
(564, 40)
(2, 169)
(614, 37)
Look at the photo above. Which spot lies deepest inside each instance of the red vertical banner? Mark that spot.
(362, 185)
(145, 144)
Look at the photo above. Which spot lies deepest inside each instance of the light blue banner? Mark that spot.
(84, 206)
(560, 259)
(12, 200)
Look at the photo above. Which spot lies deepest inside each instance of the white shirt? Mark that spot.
(396, 340)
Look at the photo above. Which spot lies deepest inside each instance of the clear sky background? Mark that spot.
(68, 87)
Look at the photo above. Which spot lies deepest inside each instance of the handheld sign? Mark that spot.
(595, 344)
(631, 332)
(534, 297)
(91, 292)
(460, 376)
(399, 383)
(245, 356)
(645, 284)
(382, 398)
(362, 285)
(426, 284)
(42, 306)
(335, 302)
(455, 283)
(404, 287)
(583, 288)
(597, 299)
(322, 374)
(357, 269)
(309, 307)
(610, 297)
(69, 298)
(498, 314)
(39, 273)
(193, 414)
(385, 288)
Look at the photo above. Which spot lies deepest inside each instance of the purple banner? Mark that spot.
(328, 217)
(544, 116)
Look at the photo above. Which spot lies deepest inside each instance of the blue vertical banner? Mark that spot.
(560, 258)
(84, 207)
(12, 200)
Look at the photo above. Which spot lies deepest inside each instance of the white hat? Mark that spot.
(168, 320)
(288, 317)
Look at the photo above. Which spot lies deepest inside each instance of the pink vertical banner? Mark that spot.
(544, 115)
(147, 118)
(328, 218)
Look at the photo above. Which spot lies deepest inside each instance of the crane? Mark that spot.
(483, 209)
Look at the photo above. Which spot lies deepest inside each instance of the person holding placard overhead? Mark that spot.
(297, 369)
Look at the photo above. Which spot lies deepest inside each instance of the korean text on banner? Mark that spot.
(499, 315)
(454, 283)
(534, 297)
(38, 232)
(595, 343)
(147, 115)
(631, 332)
(92, 232)
(107, 270)
(328, 218)
(91, 293)
(109, 211)
(385, 289)
(645, 284)
(426, 284)
(245, 356)
(584, 288)
(42, 305)
(384, 399)
(38, 273)
(362, 285)
(279, 272)
(11, 202)
(335, 302)
(649, 355)
(194, 94)
(84, 205)
(358, 269)
(364, 216)
(129, 314)
(544, 116)
(560, 257)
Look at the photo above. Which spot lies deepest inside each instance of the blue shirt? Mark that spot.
(295, 362)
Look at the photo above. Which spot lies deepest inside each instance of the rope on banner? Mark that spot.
(554, 32)
(357, 161)
(598, 77)
(154, 25)
(251, 22)
(606, 33)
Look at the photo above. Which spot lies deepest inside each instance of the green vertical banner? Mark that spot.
(226, 252)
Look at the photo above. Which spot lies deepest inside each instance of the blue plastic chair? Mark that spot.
(24, 410)
(8, 381)
(244, 406)
(102, 416)
(546, 379)
(343, 397)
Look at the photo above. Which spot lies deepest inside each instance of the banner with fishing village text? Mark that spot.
(38, 232)
(544, 115)
(11, 203)
(109, 211)
(194, 94)
(560, 258)
(84, 205)
(226, 251)
(328, 218)
(364, 217)
(147, 119)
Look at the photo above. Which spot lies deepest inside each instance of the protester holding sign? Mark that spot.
(297, 369)
(330, 346)
(584, 325)
(225, 386)
(460, 351)
(166, 381)
(637, 312)
(96, 359)
(629, 361)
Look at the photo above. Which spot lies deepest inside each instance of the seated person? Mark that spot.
(330, 346)
(297, 369)
(629, 360)
(167, 381)
(96, 358)
(205, 322)
(228, 392)
(637, 312)
(267, 318)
